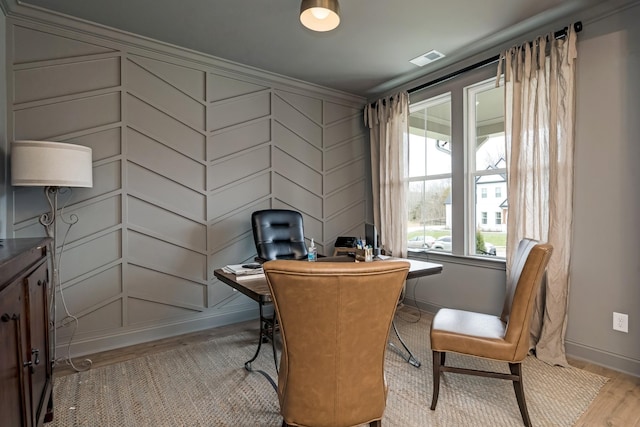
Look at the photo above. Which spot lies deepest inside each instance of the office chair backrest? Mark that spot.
(527, 273)
(335, 319)
(278, 234)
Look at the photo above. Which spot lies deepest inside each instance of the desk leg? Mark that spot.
(410, 358)
(267, 331)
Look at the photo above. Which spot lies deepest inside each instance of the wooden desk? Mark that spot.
(257, 289)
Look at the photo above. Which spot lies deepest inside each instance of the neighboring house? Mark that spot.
(491, 200)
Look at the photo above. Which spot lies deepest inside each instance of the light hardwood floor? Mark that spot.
(617, 404)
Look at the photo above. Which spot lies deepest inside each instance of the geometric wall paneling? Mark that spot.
(41, 82)
(104, 144)
(154, 188)
(141, 312)
(237, 196)
(81, 258)
(146, 85)
(32, 45)
(165, 225)
(155, 254)
(162, 127)
(296, 146)
(297, 172)
(344, 175)
(344, 153)
(90, 293)
(107, 178)
(187, 80)
(165, 161)
(344, 220)
(230, 228)
(104, 319)
(297, 122)
(238, 110)
(241, 165)
(237, 252)
(56, 119)
(343, 131)
(151, 285)
(28, 204)
(344, 197)
(296, 196)
(93, 216)
(334, 112)
(183, 153)
(220, 88)
(238, 138)
(310, 107)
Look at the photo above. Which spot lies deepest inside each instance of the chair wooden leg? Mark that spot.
(438, 360)
(376, 423)
(516, 369)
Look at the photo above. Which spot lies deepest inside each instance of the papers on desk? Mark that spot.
(243, 273)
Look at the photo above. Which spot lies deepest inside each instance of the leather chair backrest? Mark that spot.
(278, 234)
(335, 319)
(527, 274)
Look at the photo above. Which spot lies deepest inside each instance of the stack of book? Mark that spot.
(244, 271)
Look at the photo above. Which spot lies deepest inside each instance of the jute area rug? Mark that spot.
(205, 384)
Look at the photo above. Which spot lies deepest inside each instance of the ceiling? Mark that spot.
(367, 55)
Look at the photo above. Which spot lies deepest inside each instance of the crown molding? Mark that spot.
(44, 18)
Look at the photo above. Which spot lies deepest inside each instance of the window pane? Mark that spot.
(430, 138)
(430, 167)
(429, 210)
(488, 168)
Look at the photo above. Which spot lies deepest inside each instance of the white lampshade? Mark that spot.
(320, 15)
(53, 164)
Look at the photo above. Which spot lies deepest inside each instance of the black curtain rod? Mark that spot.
(558, 35)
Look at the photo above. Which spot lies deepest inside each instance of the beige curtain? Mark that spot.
(539, 127)
(387, 121)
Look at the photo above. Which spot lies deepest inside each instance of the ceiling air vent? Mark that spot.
(426, 58)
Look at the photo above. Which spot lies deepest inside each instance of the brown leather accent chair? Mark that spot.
(334, 320)
(504, 338)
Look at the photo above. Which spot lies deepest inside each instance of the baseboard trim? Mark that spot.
(151, 333)
(602, 358)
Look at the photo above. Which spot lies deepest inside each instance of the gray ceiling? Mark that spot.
(366, 55)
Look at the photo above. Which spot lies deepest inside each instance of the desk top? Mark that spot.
(257, 288)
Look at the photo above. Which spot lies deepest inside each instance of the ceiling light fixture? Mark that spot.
(320, 15)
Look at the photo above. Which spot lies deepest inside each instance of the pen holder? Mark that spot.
(365, 255)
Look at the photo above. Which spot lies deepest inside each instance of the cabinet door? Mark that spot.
(13, 399)
(36, 283)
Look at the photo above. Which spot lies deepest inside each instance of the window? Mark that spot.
(455, 165)
(429, 167)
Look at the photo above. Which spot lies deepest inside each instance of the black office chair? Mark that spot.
(278, 234)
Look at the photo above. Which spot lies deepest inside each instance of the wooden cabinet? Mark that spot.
(25, 362)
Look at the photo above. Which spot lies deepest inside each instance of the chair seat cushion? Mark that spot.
(467, 332)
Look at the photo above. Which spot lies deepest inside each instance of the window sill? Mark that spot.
(470, 260)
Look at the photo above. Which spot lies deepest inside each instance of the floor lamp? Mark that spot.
(52, 165)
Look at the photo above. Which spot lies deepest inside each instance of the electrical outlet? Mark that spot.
(620, 322)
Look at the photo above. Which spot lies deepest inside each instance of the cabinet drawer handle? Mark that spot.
(36, 352)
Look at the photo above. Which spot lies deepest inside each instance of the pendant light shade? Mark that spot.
(320, 15)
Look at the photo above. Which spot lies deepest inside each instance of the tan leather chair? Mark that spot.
(335, 319)
(504, 338)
